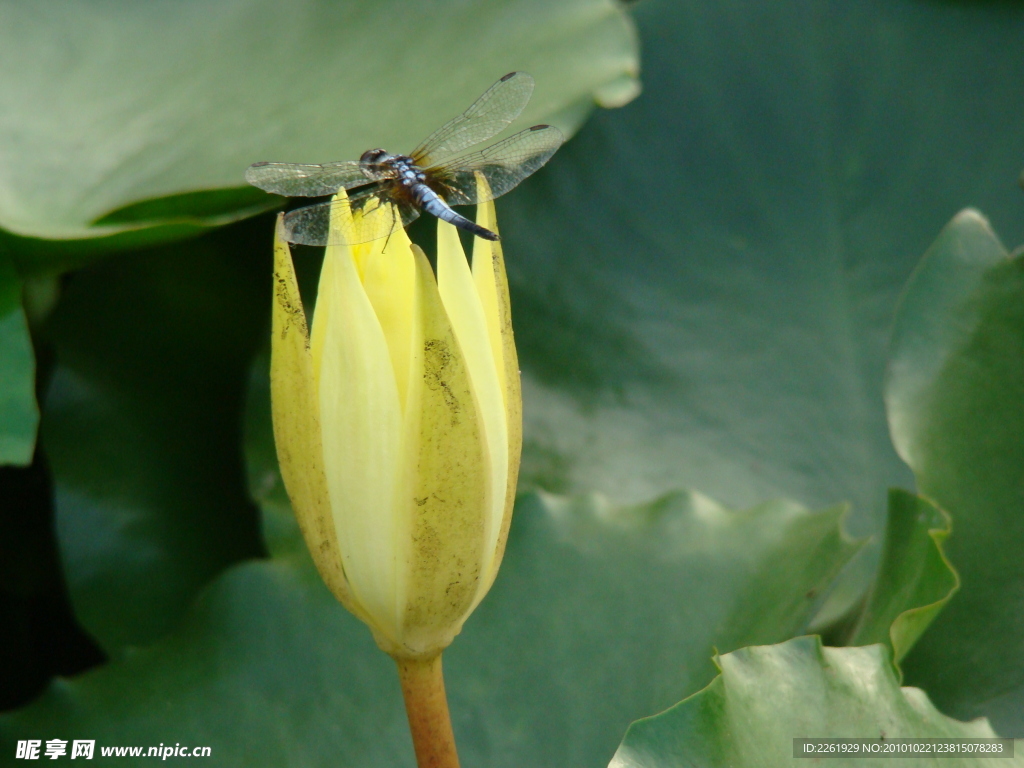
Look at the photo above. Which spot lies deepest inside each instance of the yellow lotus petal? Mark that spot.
(320, 322)
(446, 483)
(492, 287)
(462, 303)
(361, 426)
(374, 216)
(295, 412)
(389, 276)
(488, 272)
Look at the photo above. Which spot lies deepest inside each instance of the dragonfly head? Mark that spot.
(373, 156)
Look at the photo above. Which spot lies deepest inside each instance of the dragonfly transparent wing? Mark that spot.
(359, 219)
(503, 165)
(489, 115)
(296, 180)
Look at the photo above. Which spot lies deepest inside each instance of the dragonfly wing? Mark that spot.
(295, 180)
(503, 165)
(489, 115)
(359, 219)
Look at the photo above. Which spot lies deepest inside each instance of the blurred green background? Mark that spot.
(721, 380)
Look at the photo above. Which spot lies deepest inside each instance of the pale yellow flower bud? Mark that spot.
(398, 424)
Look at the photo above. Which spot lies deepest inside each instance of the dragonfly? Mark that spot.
(433, 177)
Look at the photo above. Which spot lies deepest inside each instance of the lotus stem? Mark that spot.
(427, 708)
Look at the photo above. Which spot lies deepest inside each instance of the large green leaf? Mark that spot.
(956, 406)
(703, 281)
(19, 414)
(142, 425)
(123, 116)
(601, 614)
(766, 697)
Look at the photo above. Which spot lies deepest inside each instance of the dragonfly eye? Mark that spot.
(373, 156)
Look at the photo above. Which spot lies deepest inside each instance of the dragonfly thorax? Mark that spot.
(409, 174)
(402, 168)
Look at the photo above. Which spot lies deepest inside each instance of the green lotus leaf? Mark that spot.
(704, 281)
(956, 410)
(767, 696)
(19, 414)
(142, 423)
(915, 579)
(132, 123)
